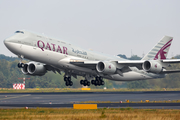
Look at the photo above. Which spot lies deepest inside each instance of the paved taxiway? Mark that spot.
(67, 99)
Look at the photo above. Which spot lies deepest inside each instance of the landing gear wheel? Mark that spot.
(102, 83)
(65, 79)
(88, 83)
(100, 78)
(69, 78)
(71, 83)
(92, 82)
(96, 82)
(20, 65)
(82, 82)
(85, 82)
(67, 83)
(97, 78)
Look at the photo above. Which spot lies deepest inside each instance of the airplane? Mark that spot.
(49, 54)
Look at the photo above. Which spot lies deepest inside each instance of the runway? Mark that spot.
(67, 99)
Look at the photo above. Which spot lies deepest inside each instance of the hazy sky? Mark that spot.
(109, 26)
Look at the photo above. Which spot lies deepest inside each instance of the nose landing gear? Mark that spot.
(20, 64)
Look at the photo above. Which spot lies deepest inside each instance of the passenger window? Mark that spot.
(19, 32)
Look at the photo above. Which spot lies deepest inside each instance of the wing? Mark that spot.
(124, 66)
(121, 65)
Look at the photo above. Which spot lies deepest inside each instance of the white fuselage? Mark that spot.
(59, 54)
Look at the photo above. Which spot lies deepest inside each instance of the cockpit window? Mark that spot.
(19, 32)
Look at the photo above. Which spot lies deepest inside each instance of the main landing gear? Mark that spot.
(85, 82)
(68, 81)
(98, 81)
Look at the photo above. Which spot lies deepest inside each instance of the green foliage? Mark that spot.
(8, 58)
(134, 57)
(138, 84)
(103, 115)
(122, 56)
(177, 56)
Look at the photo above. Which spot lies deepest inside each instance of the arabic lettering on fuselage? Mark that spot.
(54, 47)
(79, 52)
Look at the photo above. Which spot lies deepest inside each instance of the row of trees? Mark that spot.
(9, 74)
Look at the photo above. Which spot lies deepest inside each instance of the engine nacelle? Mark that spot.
(36, 69)
(106, 67)
(33, 68)
(152, 66)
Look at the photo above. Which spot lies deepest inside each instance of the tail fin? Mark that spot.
(160, 50)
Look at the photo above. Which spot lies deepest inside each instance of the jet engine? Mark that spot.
(152, 66)
(33, 68)
(106, 67)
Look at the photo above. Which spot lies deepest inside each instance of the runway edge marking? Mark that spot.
(84, 106)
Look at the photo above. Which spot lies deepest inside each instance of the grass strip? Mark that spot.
(103, 113)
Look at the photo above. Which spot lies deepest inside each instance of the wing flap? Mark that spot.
(51, 68)
(84, 63)
(132, 63)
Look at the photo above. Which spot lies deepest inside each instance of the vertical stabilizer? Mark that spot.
(160, 50)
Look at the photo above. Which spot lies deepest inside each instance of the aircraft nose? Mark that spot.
(11, 45)
(7, 42)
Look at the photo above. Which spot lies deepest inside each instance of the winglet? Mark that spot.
(160, 50)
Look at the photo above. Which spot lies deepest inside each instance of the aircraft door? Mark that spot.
(21, 46)
(34, 45)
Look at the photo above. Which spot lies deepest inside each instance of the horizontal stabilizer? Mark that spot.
(171, 61)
